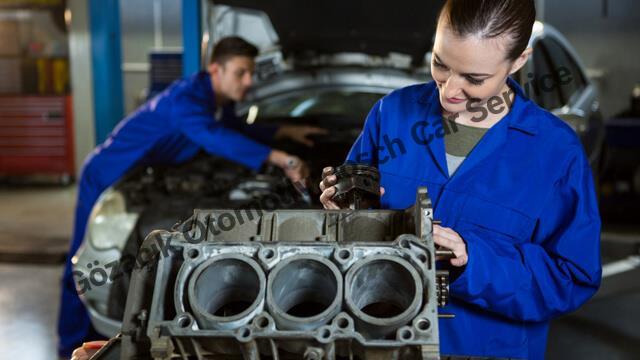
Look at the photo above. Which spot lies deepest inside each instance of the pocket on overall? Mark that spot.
(508, 224)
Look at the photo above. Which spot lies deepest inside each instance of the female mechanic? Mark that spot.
(511, 183)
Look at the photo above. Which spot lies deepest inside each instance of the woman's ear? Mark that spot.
(521, 60)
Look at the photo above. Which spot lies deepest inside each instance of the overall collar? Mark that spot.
(206, 85)
(518, 118)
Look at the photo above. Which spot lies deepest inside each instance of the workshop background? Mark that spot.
(70, 70)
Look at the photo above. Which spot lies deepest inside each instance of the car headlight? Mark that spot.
(110, 224)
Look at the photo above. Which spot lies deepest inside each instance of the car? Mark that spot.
(555, 78)
(324, 79)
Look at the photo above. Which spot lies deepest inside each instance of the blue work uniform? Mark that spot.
(169, 129)
(523, 201)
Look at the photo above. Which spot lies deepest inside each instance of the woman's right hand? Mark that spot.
(327, 186)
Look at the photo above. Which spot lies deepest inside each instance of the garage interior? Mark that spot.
(72, 69)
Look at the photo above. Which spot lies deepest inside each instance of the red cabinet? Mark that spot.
(36, 135)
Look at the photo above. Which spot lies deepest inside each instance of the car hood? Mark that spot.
(330, 26)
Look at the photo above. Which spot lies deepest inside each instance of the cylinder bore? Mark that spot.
(226, 291)
(304, 292)
(383, 293)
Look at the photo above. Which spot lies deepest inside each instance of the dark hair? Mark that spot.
(231, 46)
(492, 18)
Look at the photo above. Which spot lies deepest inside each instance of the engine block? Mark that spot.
(288, 284)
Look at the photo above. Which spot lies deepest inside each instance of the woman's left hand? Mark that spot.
(451, 240)
(87, 350)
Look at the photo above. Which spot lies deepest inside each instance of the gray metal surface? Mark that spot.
(312, 284)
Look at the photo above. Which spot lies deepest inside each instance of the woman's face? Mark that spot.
(470, 68)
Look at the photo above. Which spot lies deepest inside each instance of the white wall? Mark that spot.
(146, 24)
(81, 80)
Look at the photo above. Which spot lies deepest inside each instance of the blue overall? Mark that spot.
(524, 203)
(170, 128)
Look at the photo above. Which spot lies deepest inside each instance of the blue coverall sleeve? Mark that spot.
(551, 275)
(365, 149)
(200, 127)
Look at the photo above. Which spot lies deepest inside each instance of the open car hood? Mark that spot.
(333, 26)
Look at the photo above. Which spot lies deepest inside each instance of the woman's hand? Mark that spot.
(451, 240)
(87, 350)
(329, 190)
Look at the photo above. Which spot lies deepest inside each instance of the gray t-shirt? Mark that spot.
(459, 142)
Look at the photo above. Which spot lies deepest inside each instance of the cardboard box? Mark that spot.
(10, 75)
(9, 38)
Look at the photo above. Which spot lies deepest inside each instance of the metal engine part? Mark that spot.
(288, 284)
(357, 187)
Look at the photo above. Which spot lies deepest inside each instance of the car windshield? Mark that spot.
(344, 103)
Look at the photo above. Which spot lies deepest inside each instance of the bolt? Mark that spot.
(143, 315)
(313, 354)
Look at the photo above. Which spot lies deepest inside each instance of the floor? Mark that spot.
(28, 311)
(36, 227)
(608, 326)
(36, 222)
(603, 329)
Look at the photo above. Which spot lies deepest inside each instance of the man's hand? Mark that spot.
(299, 133)
(329, 190)
(451, 240)
(87, 350)
(294, 168)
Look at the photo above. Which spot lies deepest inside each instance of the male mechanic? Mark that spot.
(193, 114)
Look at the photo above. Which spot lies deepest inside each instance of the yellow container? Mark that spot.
(44, 76)
(60, 76)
